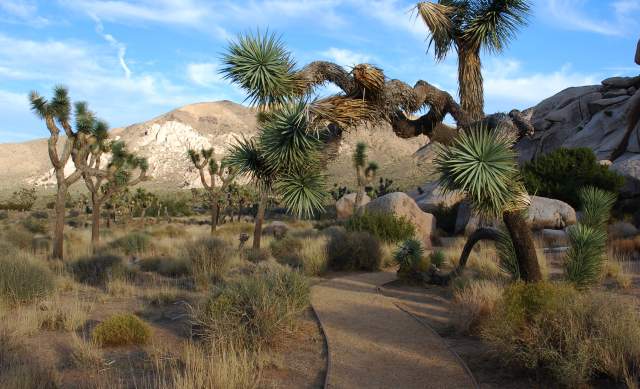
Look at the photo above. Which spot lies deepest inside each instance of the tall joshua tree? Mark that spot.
(365, 172)
(482, 164)
(205, 160)
(57, 113)
(110, 180)
(469, 26)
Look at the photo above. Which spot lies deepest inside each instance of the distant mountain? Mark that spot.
(165, 139)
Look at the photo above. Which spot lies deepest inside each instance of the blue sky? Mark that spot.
(133, 60)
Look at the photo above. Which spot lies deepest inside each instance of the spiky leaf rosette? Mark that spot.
(493, 24)
(342, 111)
(285, 139)
(303, 192)
(246, 159)
(583, 261)
(409, 254)
(482, 164)
(262, 66)
(596, 206)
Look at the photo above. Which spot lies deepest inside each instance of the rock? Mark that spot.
(621, 230)
(277, 228)
(604, 162)
(554, 238)
(467, 221)
(621, 82)
(433, 196)
(600, 104)
(400, 204)
(545, 213)
(617, 93)
(345, 206)
(630, 169)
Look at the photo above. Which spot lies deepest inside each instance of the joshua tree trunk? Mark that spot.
(95, 225)
(358, 203)
(470, 87)
(484, 233)
(523, 245)
(58, 231)
(257, 231)
(214, 216)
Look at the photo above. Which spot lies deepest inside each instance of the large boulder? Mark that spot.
(430, 196)
(276, 228)
(630, 170)
(544, 213)
(345, 206)
(400, 204)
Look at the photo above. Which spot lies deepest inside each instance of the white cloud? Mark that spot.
(204, 74)
(23, 10)
(345, 57)
(571, 14)
(505, 81)
(122, 49)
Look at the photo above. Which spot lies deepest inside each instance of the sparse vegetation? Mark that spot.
(23, 280)
(410, 259)
(121, 330)
(386, 227)
(98, 269)
(210, 259)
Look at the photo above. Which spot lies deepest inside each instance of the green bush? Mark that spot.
(98, 269)
(437, 258)
(572, 336)
(561, 173)
(39, 214)
(166, 266)
(255, 310)
(354, 251)
(386, 227)
(410, 259)
(34, 226)
(4, 215)
(121, 330)
(210, 259)
(24, 280)
(132, 243)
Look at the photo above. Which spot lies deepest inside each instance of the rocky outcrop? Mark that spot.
(592, 116)
(430, 196)
(544, 213)
(345, 206)
(630, 169)
(400, 204)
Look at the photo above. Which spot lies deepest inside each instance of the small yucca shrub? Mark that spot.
(584, 260)
(596, 206)
(384, 226)
(121, 330)
(410, 259)
(23, 280)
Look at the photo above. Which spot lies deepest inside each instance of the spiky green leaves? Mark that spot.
(583, 262)
(481, 163)
(596, 206)
(262, 66)
(409, 255)
(438, 19)
(286, 140)
(247, 159)
(303, 192)
(59, 107)
(494, 23)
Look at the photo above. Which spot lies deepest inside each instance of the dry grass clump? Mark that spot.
(572, 336)
(163, 295)
(626, 247)
(85, 353)
(18, 237)
(353, 251)
(23, 279)
(98, 269)
(132, 243)
(308, 254)
(168, 231)
(254, 310)
(58, 315)
(210, 260)
(166, 266)
(121, 330)
(18, 370)
(473, 303)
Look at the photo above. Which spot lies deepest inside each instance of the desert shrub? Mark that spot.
(39, 215)
(386, 227)
(410, 259)
(561, 173)
(473, 303)
(254, 310)
(166, 266)
(354, 251)
(585, 257)
(98, 269)
(132, 243)
(19, 238)
(287, 251)
(169, 231)
(210, 259)
(308, 254)
(572, 336)
(34, 226)
(24, 280)
(437, 258)
(256, 255)
(4, 215)
(121, 330)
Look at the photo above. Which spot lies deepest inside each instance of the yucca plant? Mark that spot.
(596, 206)
(482, 164)
(469, 26)
(365, 173)
(584, 260)
(409, 257)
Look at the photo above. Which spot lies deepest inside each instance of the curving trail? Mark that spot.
(374, 344)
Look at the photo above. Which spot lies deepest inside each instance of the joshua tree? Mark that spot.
(482, 164)
(365, 173)
(469, 26)
(55, 113)
(144, 200)
(205, 160)
(112, 179)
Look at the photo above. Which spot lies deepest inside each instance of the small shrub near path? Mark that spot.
(121, 330)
